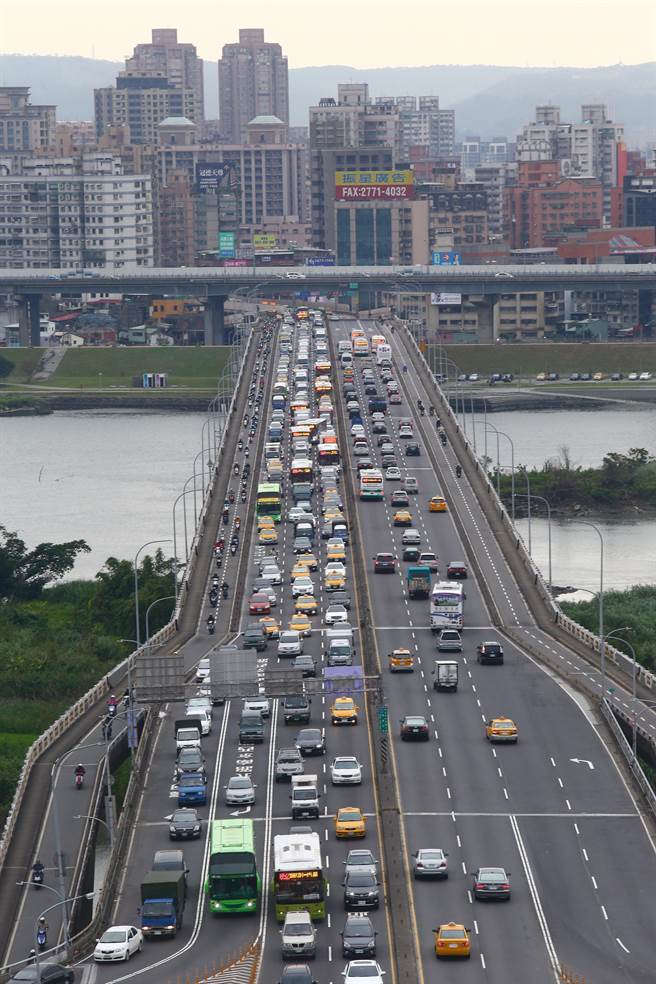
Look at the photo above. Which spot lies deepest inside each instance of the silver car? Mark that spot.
(239, 791)
(430, 862)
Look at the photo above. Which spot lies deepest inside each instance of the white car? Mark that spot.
(118, 943)
(363, 972)
(632, 376)
(357, 430)
(302, 586)
(393, 474)
(259, 703)
(336, 613)
(360, 449)
(203, 670)
(335, 567)
(644, 375)
(205, 720)
(272, 573)
(197, 704)
(290, 643)
(345, 770)
(406, 432)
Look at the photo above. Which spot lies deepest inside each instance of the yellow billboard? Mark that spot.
(264, 240)
(374, 184)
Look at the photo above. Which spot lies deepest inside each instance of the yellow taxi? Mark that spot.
(322, 385)
(501, 729)
(270, 626)
(306, 604)
(300, 570)
(541, 377)
(268, 536)
(344, 711)
(437, 504)
(300, 623)
(335, 580)
(265, 523)
(335, 551)
(401, 661)
(452, 940)
(598, 376)
(350, 822)
(332, 513)
(308, 559)
(403, 517)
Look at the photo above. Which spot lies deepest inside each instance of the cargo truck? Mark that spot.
(305, 797)
(419, 582)
(445, 675)
(162, 903)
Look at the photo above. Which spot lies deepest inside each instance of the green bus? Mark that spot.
(233, 881)
(269, 500)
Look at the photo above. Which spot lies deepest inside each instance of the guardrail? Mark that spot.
(627, 752)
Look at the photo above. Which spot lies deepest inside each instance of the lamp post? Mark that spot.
(512, 465)
(540, 498)
(175, 535)
(602, 653)
(634, 696)
(136, 586)
(152, 605)
(62, 901)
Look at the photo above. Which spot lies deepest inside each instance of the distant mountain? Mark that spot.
(489, 100)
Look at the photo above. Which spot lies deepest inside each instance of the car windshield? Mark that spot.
(190, 780)
(430, 855)
(184, 816)
(489, 875)
(503, 725)
(346, 763)
(289, 637)
(237, 782)
(358, 972)
(453, 934)
(358, 928)
(297, 929)
(364, 880)
(113, 936)
(311, 735)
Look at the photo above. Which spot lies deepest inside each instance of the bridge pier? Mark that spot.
(485, 311)
(216, 330)
(29, 310)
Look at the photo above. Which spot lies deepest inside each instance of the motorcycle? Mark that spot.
(210, 625)
(112, 707)
(41, 937)
(79, 780)
(243, 497)
(224, 590)
(422, 412)
(237, 523)
(226, 517)
(233, 549)
(240, 445)
(458, 471)
(214, 599)
(219, 561)
(37, 875)
(443, 439)
(431, 410)
(231, 496)
(235, 468)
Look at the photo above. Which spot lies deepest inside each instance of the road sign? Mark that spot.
(233, 673)
(354, 286)
(281, 683)
(159, 678)
(383, 719)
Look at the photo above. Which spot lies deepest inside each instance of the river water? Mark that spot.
(111, 476)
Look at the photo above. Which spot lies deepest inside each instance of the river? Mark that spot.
(110, 477)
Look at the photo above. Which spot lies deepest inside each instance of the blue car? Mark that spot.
(192, 789)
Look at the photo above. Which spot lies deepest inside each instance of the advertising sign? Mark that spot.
(374, 185)
(320, 261)
(210, 176)
(441, 300)
(264, 240)
(442, 257)
(236, 263)
(226, 245)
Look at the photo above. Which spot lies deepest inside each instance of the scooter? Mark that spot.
(210, 626)
(37, 875)
(224, 589)
(41, 937)
(458, 471)
(443, 438)
(231, 496)
(112, 707)
(235, 468)
(233, 549)
(79, 780)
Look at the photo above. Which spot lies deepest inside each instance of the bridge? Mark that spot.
(215, 284)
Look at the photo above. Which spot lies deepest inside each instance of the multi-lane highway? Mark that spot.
(553, 809)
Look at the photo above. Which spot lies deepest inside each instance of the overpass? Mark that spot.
(214, 284)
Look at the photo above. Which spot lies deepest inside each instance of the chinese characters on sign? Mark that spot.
(373, 185)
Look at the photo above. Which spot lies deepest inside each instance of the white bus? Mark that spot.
(446, 605)
(298, 878)
(371, 483)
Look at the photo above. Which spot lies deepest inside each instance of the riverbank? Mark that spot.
(527, 359)
(145, 400)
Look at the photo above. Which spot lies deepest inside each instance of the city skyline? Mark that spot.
(505, 34)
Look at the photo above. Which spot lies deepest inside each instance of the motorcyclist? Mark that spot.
(405, 368)
(38, 872)
(225, 589)
(443, 438)
(210, 621)
(431, 410)
(42, 933)
(112, 705)
(235, 468)
(80, 770)
(458, 471)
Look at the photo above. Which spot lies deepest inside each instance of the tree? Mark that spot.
(25, 573)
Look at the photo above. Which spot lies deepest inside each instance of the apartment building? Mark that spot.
(25, 128)
(253, 81)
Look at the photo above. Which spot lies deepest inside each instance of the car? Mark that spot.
(344, 711)
(345, 770)
(616, 376)
(452, 940)
(449, 641)
(406, 432)
(350, 822)
(340, 651)
(541, 376)
(491, 883)
(414, 727)
(403, 517)
(411, 554)
(399, 498)
(364, 971)
(644, 376)
(412, 450)
(358, 431)
(310, 741)
(306, 664)
(360, 859)
(633, 376)
(270, 626)
(575, 376)
(306, 604)
(189, 760)
(290, 643)
(395, 398)
(289, 762)
(198, 705)
(388, 461)
(385, 445)
(308, 559)
(184, 824)
(384, 563)
(261, 704)
(239, 791)
(379, 427)
(268, 536)
(553, 376)
(430, 862)
(489, 652)
(296, 973)
(335, 613)
(296, 708)
(358, 936)
(203, 669)
(299, 570)
(118, 943)
(361, 890)
(271, 573)
(302, 586)
(341, 598)
(335, 580)
(585, 377)
(365, 464)
(265, 523)
(428, 559)
(411, 537)
(302, 545)
(401, 660)
(456, 570)
(393, 474)
(437, 504)
(335, 550)
(259, 604)
(45, 973)
(502, 729)
(361, 449)
(298, 935)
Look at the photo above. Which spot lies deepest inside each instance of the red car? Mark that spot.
(414, 727)
(259, 604)
(395, 398)
(384, 563)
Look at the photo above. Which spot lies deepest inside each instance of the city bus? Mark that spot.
(233, 881)
(371, 483)
(328, 450)
(377, 340)
(446, 605)
(360, 346)
(269, 500)
(298, 879)
(301, 470)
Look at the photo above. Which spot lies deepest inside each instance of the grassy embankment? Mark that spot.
(635, 608)
(526, 360)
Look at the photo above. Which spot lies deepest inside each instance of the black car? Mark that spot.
(297, 973)
(364, 464)
(49, 973)
(184, 824)
(411, 554)
(388, 461)
(310, 741)
(254, 638)
(379, 427)
(414, 727)
(358, 937)
(306, 664)
(489, 652)
(616, 376)
(412, 450)
(302, 544)
(370, 389)
(189, 760)
(361, 890)
(384, 563)
(491, 883)
(341, 598)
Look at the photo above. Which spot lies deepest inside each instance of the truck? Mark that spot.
(419, 582)
(383, 353)
(305, 797)
(445, 675)
(162, 903)
(187, 733)
(343, 681)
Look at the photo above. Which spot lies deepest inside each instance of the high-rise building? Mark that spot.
(542, 208)
(640, 199)
(253, 81)
(24, 128)
(161, 79)
(422, 123)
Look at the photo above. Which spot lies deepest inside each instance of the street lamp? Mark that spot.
(175, 535)
(152, 605)
(541, 498)
(62, 901)
(612, 635)
(602, 652)
(136, 586)
(512, 464)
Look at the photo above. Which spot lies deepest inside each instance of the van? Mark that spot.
(278, 402)
(275, 431)
(346, 359)
(449, 641)
(251, 727)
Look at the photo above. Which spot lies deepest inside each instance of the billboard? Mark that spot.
(226, 245)
(264, 240)
(236, 263)
(374, 185)
(210, 176)
(320, 261)
(441, 300)
(444, 257)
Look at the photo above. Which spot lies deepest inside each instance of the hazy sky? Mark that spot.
(364, 35)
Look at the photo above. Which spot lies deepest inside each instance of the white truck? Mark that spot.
(305, 797)
(445, 674)
(187, 733)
